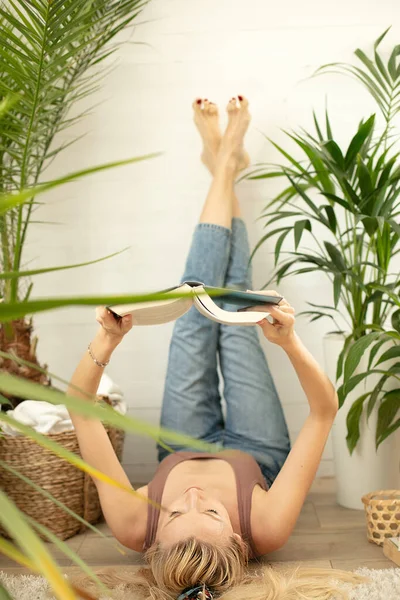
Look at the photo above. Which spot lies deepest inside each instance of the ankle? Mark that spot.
(226, 163)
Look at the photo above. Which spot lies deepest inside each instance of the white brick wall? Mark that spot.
(212, 49)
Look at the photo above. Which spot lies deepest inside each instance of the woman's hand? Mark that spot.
(281, 330)
(113, 328)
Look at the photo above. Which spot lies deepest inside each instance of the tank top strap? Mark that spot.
(248, 474)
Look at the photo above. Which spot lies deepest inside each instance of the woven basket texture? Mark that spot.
(65, 482)
(382, 510)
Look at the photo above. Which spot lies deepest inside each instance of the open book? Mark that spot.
(196, 293)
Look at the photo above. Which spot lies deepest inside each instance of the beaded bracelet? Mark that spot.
(98, 363)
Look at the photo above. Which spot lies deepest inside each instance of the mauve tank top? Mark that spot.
(247, 475)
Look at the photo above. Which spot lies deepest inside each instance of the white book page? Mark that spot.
(157, 312)
(205, 304)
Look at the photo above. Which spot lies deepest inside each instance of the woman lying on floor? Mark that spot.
(226, 507)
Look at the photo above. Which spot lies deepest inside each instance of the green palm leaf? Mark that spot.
(49, 496)
(68, 552)
(9, 201)
(46, 51)
(17, 526)
(32, 272)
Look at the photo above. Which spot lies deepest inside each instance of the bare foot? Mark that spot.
(233, 109)
(231, 149)
(206, 118)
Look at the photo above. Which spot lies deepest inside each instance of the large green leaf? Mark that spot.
(74, 459)
(336, 257)
(9, 201)
(11, 551)
(335, 153)
(374, 351)
(12, 275)
(69, 553)
(26, 389)
(337, 200)
(267, 236)
(356, 352)
(10, 311)
(353, 422)
(299, 227)
(348, 386)
(332, 220)
(388, 410)
(16, 525)
(396, 320)
(290, 158)
(373, 70)
(49, 496)
(375, 395)
(50, 54)
(322, 174)
(393, 352)
(279, 244)
(358, 141)
(337, 288)
(392, 67)
(306, 198)
(4, 594)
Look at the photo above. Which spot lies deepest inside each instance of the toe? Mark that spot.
(209, 107)
(244, 103)
(197, 104)
(232, 105)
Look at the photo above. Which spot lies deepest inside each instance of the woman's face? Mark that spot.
(197, 514)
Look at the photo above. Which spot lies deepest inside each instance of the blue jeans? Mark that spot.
(254, 421)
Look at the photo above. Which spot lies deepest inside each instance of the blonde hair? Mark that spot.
(223, 570)
(191, 562)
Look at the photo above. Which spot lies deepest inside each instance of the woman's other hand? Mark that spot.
(113, 327)
(281, 330)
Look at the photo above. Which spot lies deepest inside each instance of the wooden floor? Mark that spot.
(326, 535)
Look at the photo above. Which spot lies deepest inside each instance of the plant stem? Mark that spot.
(25, 161)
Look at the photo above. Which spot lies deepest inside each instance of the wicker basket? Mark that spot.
(69, 485)
(383, 515)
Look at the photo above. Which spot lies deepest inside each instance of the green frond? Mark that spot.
(51, 56)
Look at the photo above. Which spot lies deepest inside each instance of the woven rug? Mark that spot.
(382, 585)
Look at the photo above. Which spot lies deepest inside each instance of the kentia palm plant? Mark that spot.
(50, 52)
(352, 199)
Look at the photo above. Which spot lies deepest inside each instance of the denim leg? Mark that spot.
(192, 403)
(255, 422)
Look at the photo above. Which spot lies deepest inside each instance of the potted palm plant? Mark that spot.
(49, 57)
(50, 52)
(348, 203)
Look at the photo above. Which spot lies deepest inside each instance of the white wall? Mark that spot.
(265, 50)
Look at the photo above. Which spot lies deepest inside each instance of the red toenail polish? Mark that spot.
(240, 98)
(198, 101)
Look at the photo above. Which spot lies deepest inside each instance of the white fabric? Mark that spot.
(48, 418)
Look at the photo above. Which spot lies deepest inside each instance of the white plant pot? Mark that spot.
(366, 470)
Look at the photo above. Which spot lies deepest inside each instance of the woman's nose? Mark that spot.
(193, 498)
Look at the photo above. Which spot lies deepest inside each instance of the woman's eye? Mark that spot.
(212, 510)
(175, 512)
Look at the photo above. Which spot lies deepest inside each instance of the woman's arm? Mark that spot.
(319, 389)
(283, 502)
(119, 506)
